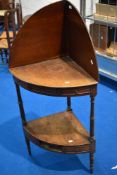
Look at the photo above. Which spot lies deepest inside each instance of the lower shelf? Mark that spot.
(61, 132)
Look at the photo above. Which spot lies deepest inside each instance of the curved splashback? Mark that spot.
(55, 30)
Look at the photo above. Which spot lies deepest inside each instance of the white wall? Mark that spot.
(31, 6)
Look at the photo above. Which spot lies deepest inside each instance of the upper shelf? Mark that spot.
(57, 72)
(55, 32)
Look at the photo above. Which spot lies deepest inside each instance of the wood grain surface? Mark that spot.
(59, 129)
(59, 72)
(54, 31)
(53, 55)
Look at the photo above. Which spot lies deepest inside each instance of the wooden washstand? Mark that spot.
(53, 55)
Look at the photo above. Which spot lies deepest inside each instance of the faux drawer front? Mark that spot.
(99, 35)
(94, 32)
(103, 37)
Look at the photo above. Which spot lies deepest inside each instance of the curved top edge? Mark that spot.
(28, 47)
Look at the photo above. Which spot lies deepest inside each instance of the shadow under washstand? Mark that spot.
(12, 137)
(59, 162)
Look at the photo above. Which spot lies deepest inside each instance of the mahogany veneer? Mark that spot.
(58, 72)
(61, 132)
(53, 55)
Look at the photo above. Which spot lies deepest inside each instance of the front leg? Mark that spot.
(92, 126)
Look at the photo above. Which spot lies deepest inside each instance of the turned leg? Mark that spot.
(92, 118)
(28, 145)
(91, 162)
(6, 55)
(22, 113)
(1, 52)
(69, 104)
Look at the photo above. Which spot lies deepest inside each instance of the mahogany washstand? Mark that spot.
(53, 55)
